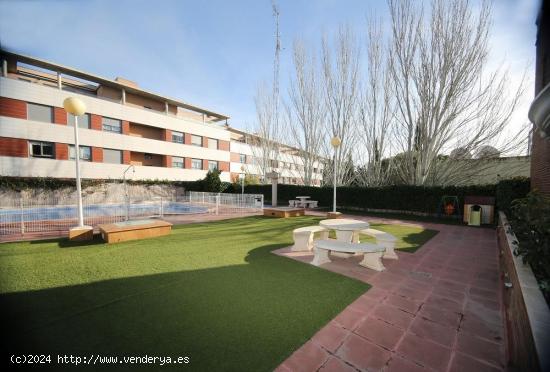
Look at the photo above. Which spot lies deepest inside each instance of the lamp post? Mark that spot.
(242, 180)
(335, 142)
(76, 107)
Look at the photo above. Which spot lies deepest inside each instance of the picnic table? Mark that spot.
(347, 230)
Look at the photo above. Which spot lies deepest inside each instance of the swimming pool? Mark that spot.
(99, 210)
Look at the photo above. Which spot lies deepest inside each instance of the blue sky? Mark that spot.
(215, 53)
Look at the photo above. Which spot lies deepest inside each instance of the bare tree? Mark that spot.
(305, 113)
(340, 66)
(376, 107)
(445, 96)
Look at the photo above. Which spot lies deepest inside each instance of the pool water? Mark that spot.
(99, 210)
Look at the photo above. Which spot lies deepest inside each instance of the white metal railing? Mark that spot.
(27, 214)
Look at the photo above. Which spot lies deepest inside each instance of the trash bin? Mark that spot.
(475, 216)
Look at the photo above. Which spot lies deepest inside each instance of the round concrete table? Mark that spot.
(347, 230)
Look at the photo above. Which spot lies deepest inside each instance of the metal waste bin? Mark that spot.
(475, 216)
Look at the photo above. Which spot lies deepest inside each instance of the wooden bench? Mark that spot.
(303, 237)
(372, 253)
(384, 239)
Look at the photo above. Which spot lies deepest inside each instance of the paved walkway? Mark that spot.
(439, 309)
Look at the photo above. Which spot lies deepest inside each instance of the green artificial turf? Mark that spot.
(212, 292)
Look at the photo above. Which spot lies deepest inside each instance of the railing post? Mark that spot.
(262, 206)
(21, 216)
(217, 203)
(161, 208)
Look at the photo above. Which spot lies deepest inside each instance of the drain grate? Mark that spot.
(421, 274)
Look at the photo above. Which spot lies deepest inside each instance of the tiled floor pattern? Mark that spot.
(439, 309)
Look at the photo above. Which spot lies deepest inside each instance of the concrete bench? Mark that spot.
(311, 203)
(292, 203)
(303, 237)
(372, 253)
(384, 239)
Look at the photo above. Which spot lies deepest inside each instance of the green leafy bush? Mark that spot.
(509, 190)
(212, 182)
(530, 220)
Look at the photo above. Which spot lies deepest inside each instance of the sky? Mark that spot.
(215, 53)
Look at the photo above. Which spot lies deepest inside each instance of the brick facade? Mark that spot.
(223, 145)
(187, 162)
(167, 135)
(187, 138)
(167, 161)
(14, 147)
(223, 166)
(95, 122)
(125, 127)
(204, 141)
(126, 155)
(61, 151)
(540, 150)
(59, 116)
(97, 154)
(13, 108)
(205, 164)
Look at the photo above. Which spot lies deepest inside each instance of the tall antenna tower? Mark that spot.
(275, 8)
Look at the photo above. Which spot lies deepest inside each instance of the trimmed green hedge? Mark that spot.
(401, 198)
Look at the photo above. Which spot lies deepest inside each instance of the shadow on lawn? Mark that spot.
(237, 317)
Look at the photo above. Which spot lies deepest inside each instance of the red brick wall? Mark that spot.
(167, 161)
(540, 164)
(61, 151)
(187, 162)
(13, 108)
(168, 135)
(125, 127)
(223, 166)
(95, 122)
(14, 147)
(235, 157)
(204, 164)
(59, 116)
(97, 154)
(204, 141)
(223, 145)
(187, 138)
(126, 157)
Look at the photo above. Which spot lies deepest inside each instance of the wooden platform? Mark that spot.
(132, 230)
(283, 212)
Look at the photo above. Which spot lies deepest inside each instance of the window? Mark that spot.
(112, 125)
(177, 162)
(39, 113)
(212, 165)
(242, 158)
(177, 137)
(196, 163)
(83, 121)
(85, 152)
(112, 156)
(212, 143)
(42, 150)
(147, 156)
(196, 140)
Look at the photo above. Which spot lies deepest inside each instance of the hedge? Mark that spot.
(400, 198)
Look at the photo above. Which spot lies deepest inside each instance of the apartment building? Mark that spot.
(163, 138)
(245, 154)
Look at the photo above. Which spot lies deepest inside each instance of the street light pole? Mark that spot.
(77, 108)
(335, 142)
(242, 180)
(78, 183)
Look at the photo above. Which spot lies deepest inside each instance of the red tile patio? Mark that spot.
(438, 309)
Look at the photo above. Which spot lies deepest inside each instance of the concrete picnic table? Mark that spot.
(302, 200)
(347, 230)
